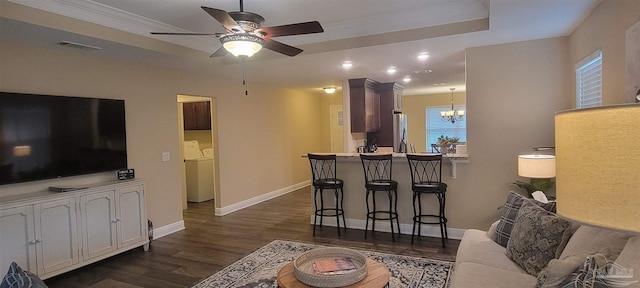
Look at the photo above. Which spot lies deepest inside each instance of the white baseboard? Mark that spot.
(168, 229)
(259, 199)
(405, 228)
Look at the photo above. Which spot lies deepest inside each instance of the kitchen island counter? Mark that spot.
(452, 159)
(395, 155)
(349, 169)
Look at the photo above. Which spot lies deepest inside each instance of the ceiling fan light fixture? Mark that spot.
(242, 44)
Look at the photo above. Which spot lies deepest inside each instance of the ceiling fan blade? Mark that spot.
(224, 18)
(281, 47)
(292, 29)
(220, 52)
(188, 34)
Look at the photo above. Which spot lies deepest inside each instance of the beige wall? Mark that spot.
(415, 108)
(513, 91)
(606, 29)
(261, 136)
(263, 154)
(202, 136)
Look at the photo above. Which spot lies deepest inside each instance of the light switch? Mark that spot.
(165, 156)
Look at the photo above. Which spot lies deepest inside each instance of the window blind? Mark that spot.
(436, 127)
(589, 81)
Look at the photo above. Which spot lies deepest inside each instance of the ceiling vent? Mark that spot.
(78, 45)
(424, 71)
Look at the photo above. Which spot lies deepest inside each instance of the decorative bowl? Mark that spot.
(303, 267)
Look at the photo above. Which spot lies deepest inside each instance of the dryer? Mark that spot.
(199, 170)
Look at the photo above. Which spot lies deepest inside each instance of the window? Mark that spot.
(436, 127)
(589, 81)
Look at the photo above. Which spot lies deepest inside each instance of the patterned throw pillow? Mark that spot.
(535, 237)
(18, 278)
(509, 214)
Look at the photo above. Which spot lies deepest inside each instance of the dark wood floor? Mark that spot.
(211, 242)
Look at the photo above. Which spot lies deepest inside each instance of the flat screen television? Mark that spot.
(44, 136)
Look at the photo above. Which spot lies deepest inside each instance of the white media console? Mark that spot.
(50, 233)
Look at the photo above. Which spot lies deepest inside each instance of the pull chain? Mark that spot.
(244, 78)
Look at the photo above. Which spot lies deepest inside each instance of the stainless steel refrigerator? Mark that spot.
(400, 132)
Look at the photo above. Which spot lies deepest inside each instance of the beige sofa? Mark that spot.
(481, 262)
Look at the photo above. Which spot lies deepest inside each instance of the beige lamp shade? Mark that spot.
(598, 166)
(537, 166)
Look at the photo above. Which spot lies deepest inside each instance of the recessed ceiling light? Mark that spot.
(406, 79)
(347, 64)
(423, 56)
(391, 70)
(329, 90)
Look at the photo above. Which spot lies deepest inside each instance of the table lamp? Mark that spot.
(598, 166)
(540, 168)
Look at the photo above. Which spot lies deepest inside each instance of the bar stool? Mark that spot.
(426, 178)
(377, 177)
(323, 171)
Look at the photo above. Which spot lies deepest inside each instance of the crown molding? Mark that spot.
(97, 13)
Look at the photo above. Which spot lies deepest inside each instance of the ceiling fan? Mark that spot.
(245, 36)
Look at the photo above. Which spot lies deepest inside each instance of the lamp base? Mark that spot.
(536, 184)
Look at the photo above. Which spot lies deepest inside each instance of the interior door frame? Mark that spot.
(214, 140)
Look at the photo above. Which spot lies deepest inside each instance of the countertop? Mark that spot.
(395, 155)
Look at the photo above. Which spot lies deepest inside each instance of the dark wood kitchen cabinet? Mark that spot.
(197, 115)
(365, 105)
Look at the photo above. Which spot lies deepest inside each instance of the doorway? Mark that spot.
(197, 128)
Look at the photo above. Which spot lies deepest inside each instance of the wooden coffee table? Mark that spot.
(377, 277)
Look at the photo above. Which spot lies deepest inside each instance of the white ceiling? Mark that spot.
(372, 34)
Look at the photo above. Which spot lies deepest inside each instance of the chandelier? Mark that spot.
(452, 115)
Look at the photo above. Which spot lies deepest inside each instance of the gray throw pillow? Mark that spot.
(589, 240)
(509, 213)
(535, 237)
(18, 278)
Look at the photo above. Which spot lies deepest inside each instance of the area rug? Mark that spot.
(259, 269)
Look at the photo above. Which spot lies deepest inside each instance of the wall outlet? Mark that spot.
(165, 156)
